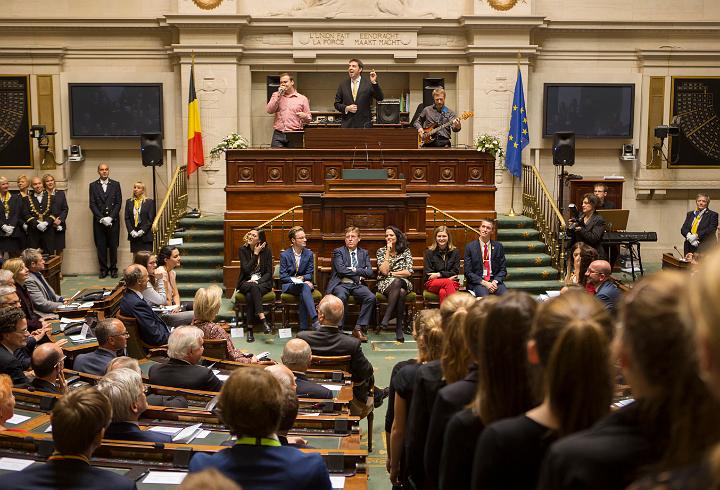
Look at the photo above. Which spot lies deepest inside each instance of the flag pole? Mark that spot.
(512, 182)
(195, 212)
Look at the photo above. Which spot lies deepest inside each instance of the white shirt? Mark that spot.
(39, 197)
(104, 184)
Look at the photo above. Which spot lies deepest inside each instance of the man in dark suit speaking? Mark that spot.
(354, 96)
(485, 268)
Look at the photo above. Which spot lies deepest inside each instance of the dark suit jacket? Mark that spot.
(450, 400)
(15, 217)
(46, 386)
(30, 217)
(310, 389)
(428, 382)
(60, 210)
(95, 362)
(248, 264)
(328, 341)
(474, 262)
(592, 233)
(609, 294)
(366, 92)
(105, 203)
(341, 267)
(33, 319)
(10, 365)
(288, 269)
(66, 474)
(152, 329)
(128, 431)
(607, 205)
(706, 228)
(266, 467)
(147, 216)
(182, 374)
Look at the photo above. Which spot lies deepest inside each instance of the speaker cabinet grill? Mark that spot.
(151, 149)
(564, 149)
(388, 111)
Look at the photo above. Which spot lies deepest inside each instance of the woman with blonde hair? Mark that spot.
(7, 400)
(60, 210)
(206, 307)
(139, 217)
(442, 264)
(20, 274)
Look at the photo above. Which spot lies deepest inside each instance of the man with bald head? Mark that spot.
(296, 355)
(38, 216)
(105, 202)
(598, 274)
(329, 341)
(47, 363)
(152, 329)
(112, 337)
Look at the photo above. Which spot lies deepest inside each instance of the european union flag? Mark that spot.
(518, 136)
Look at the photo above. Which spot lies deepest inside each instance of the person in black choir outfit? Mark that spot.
(428, 333)
(105, 203)
(139, 217)
(10, 221)
(503, 390)
(673, 420)
(255, 280)
(78, 420)
(125, 390)
(60, 210)
(354, 96)
(38, 215)
(570, 343)
(430, 377)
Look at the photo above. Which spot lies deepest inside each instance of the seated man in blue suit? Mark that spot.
(124, 388)
(251, 405)
(112, 337)
(296, 275)
(78, 424)
(152, 329)
(485, 269)
(598, 274)
(350, 267)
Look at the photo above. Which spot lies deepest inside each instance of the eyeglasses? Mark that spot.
(124, 334)
(23, 331)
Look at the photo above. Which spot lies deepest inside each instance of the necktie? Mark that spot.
(138, 204)
(354, 88)
(486, 261)
(353, 259)
(695, 223)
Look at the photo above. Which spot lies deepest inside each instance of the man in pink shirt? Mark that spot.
(291, 110)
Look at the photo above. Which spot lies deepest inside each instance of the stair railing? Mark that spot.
(539, 205)
(446, 218)
(173, 207)
(281, 218)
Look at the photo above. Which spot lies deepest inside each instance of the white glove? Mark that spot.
(140, 232)
(134, 234)
(7, 229)
(25, 226)
(59, 228)
(691, 236)
(42, 225)
(695, 242)
(107, 221)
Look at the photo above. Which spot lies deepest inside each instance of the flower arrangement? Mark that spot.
(233, 141)
(489, 144)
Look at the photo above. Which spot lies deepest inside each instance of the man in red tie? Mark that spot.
(485, 269)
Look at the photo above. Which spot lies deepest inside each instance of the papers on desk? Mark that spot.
(80, 339)
(337, 482)
(547, 295)
(17, 419)
(14, 464)
(87, 304)
(164, 309)
(221, 377)
(296, 280)
(64, 320)
(333, 387)
(171, 431)
(165, 477)
(183, 435)
(49, 428)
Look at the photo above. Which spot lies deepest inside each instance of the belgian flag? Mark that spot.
(195, 157)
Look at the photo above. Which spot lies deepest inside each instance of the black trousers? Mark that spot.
(253, 299)
(42, 239)
(107, 239)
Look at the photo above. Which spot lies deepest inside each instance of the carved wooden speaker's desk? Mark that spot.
(361, 139)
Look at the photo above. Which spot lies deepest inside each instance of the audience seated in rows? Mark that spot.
(297, 355)
(78, 420)
(14, 335)
(43, 296)
(154, 293)
(111, 337)
(582, 256)
(8, 297)
(673, 420)
(7, 400)
(251, 406)
(503, 389)
(290, 407)
(153, 331)
(185, 349)
(428, 381)
(48, 364)
(152, 399)
(125, 390)
(428, 333)
(206, 307)
(570, 345)
(329, 341)
(18, 281)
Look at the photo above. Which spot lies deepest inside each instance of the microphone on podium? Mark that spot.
(367, 155)
(382, 159)
(352, 164)
(682, 257)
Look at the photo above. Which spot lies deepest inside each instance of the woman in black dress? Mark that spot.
(139, 217)
(590, 227)
(256, 269)
(11, 230)
(570, 342)
(60, 210)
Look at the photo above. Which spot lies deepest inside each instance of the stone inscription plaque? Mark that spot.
(352, 39)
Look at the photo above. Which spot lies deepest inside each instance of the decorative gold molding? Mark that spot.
(207, 4)
(502, 5)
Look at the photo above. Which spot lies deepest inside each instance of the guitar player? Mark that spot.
(437, 115)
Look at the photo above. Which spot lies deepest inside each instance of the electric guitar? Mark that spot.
(429, 133)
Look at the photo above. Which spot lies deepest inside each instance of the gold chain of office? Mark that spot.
(40, 216)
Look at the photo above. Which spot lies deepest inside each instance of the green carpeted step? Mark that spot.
(213, 222)
(505, 221)
(531, 273)
(514, 234)
(525, 260)
(192, 261)
(534, 287)
(201, 235)
(199, 275)
(530, 246)
(192, 248)
(188, 289)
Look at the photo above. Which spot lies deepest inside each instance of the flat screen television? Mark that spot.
(115, 110)
(591, 110)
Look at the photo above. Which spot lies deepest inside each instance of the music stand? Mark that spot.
(615, 219)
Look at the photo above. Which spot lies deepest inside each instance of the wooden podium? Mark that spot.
(371, 205)
(362, 139)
